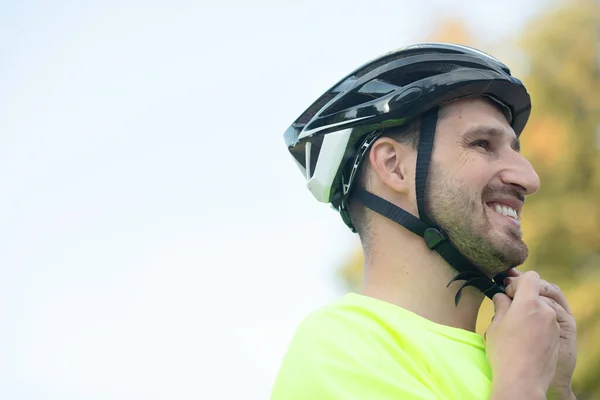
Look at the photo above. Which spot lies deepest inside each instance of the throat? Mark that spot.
(422, 290)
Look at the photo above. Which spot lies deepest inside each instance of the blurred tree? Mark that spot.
(562, 140)
(452, 30)
(562, 221)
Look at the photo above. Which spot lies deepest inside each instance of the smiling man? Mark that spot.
(419, 152)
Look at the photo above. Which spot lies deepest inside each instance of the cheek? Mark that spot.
(469, 159)
(475, 172)
(459, 161)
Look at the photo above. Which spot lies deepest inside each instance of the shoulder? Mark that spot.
(342, 351)
(349, 323)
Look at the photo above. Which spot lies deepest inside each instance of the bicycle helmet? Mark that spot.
(331, 138)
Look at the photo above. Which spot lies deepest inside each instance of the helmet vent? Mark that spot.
(414, 73)
(314, 108)
(399, 55)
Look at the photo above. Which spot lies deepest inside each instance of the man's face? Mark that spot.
(477, 184)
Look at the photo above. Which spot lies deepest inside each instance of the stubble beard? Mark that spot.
(466, 220)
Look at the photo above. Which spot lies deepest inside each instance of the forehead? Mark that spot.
(463, 116)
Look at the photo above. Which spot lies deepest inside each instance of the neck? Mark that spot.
(400, 269)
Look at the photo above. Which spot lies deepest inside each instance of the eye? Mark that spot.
(484, 144)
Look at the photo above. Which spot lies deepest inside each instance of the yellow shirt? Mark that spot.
(363, 348)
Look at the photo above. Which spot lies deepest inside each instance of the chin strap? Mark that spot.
(435, 238)
(478, 279)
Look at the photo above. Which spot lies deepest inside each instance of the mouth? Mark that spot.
(506, 212)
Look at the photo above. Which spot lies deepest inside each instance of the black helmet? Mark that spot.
(329, 140)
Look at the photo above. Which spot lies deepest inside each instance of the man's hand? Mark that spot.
(522, 342)
(567, 355)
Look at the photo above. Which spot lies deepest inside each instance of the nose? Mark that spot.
(519, 171)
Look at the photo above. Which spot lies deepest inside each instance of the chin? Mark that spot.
(514, 256)
(500, 253)
(509, 241)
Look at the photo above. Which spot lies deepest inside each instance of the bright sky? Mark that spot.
(156, 239)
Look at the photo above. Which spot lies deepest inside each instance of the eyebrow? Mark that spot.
(488, 131)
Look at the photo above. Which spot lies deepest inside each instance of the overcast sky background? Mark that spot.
(156, 239)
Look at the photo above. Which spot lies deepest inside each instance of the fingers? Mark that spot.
(527, 286)
(553, 292)
(562, 316)
(501, 304)
(513, 272)
(511, 288)
(548, 290)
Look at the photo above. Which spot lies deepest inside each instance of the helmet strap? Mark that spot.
(435, 238)
(426, 139)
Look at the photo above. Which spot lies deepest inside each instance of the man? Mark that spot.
(419, 152)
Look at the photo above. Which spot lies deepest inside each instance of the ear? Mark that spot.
(390, 162)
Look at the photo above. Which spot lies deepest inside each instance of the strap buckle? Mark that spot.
(433, 237)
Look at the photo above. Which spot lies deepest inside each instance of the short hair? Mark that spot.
(407, 134)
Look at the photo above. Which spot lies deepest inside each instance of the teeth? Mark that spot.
(509, 212)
